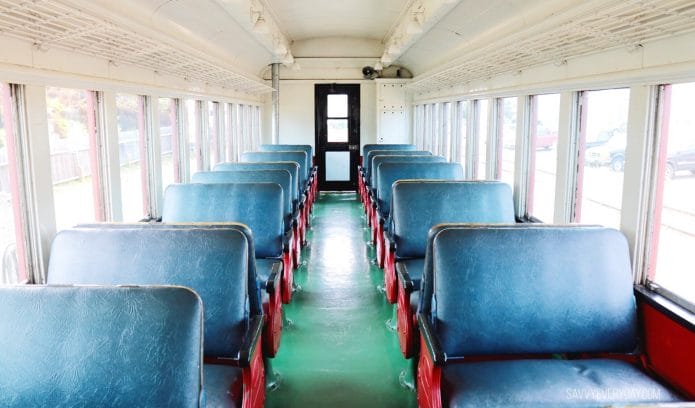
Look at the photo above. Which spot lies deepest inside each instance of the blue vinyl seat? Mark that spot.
(100, 346)
(298, 198)
(369, 159)
(417, 206)
(308, 149)
(378, 158)
(312, 179)
(369, 147)
(388, 173)
(213, 260)
(299, 157)
(289, 166)
(363, 163)
(530, 315)
(281, 177)
(260, 206)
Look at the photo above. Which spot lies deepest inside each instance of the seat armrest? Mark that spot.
(287, 240)
(273, 282)
(404, 277)
(434, 349)
(251, 340)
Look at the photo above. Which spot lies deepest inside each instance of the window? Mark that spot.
(72, 140)
(132, 156)
(508, 151)
(436, 129)
(419, 126)
(256, 127)
(213, 133)
(229, 133)
(445, 139)
(545, 118)
(11, 232)
(603, 130)
(482, 138)
(673, 229)
(195, 152)
(459, 152)
(169, 135)
(427, 139)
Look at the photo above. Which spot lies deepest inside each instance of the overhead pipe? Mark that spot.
(275, 123)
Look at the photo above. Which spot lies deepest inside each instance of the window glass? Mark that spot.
(674, 233)
(436, 128)
(72, 141)
(337, 130)
(195, 154)
(483, 112)
(256, 127)
(508, 151)
(427, 139)
(228, 133)
(11, 232)
(544, 130)
(600, 198)
(168, 132)
(337, 106)
(213, 124)
(462, 132)
(418, 126)
(445, 145)
(131, 151)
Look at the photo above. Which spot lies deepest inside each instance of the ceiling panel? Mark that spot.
(472, 44)
(305, 19)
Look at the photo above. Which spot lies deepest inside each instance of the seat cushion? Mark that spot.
(222, 385)
(414, 268)
(533, 383)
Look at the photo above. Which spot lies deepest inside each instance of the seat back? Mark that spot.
(290, 166)
(389, 173)
(367, 164)
(299, 157)
(281, 177)
(369, 147)
(213, 261)
(100, 346)
(417, 206)
(257, 205)
(308, 149)
(389, 158)
(525, 289)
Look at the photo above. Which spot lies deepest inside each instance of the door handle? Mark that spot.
(353, 147)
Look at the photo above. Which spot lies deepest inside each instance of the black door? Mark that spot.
(337, 138)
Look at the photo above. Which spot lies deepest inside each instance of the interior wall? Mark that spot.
(297, 112)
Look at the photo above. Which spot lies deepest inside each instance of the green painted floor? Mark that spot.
(339, 353)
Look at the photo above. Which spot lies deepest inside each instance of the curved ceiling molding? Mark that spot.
(585, 29)
(85, 28)
(258, 19)
(415, 20)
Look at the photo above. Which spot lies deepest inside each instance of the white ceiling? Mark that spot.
(212, 41)
(307, 19)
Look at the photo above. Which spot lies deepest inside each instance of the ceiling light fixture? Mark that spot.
(260, 25)
(288, 59)
(414, 24)
(394, 47)
(386, 59)
(280, 48)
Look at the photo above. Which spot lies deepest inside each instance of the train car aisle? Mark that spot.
(339, 352)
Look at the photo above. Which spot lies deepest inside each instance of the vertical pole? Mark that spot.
(275, 126)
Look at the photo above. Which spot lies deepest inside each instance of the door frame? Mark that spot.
(321, 91)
